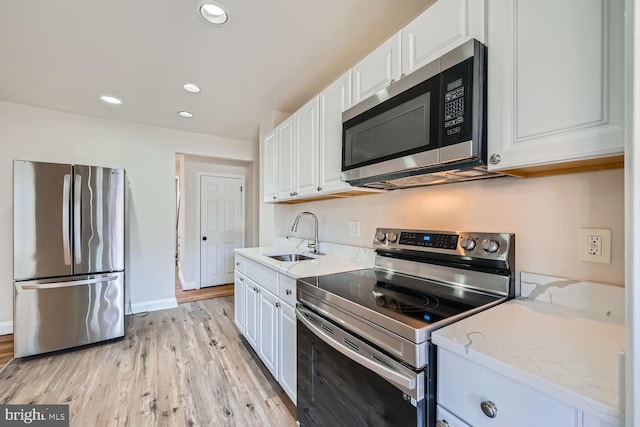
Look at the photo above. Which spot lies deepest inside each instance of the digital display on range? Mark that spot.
(429, 240)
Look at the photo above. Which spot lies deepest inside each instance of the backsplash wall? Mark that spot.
(544, 213)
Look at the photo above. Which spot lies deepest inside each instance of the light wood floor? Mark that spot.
(186, 366)
(203, 293)
(6, 349)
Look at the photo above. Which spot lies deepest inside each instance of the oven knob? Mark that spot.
(392, 237)
(381, 237)
(468, 243)
(490, 246)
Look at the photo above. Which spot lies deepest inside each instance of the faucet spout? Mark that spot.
(313, 247)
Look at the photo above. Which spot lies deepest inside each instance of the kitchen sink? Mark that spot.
(290, 257)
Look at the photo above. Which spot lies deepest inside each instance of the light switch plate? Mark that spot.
(595, 245)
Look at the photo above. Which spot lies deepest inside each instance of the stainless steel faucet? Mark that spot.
(313, 247)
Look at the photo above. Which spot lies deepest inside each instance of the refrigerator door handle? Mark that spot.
(68, 284)
(77, 219)
(66, 247)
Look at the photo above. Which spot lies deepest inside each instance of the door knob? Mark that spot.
(204, 238)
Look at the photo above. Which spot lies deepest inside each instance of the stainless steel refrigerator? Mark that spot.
(68, 255)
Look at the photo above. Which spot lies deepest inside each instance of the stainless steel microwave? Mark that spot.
(427, 128)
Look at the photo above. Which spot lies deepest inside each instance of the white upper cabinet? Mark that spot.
(555, 81)
(445, 25)
(377, 70)
(306, 150)
(333, 101)
(270, 147)
(286, 166)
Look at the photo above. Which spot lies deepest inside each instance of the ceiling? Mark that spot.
(271, 55)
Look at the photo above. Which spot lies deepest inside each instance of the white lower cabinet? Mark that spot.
(251, 312)
(268, 329)
(446, 419)
(265, 314)
(239, 315)
(288, 355)
(484, 398)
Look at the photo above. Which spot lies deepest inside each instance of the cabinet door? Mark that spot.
(306, 140)
(515, 403)
(555, 81)
(268, 330)
(377, 70)
(251, 312)
(443, 26)
(288, 353)
(270, 167)
(286, 167)
(333, 101)
(239, 315)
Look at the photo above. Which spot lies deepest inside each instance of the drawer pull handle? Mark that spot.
(489, 408)
(288, 292)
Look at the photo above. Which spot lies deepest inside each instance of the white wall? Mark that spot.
(191, 248)
(148, 155)
(544, 213)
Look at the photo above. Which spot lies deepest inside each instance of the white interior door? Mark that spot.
(221, 228)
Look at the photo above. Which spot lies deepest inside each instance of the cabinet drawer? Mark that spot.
(287, 290)
(240, 261)
(464, 385)
(446, 419)
(264, 276)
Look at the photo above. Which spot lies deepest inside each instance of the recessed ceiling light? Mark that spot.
(185, 114)
(213, 13)
(190, 87)
(111, 99)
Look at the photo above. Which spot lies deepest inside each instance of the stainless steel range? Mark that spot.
(364, 350)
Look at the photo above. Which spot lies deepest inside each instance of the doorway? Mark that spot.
(221, 219)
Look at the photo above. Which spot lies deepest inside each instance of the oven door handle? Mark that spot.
(386, 372)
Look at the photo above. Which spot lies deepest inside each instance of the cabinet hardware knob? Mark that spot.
(319, 188)
(402, 76)
(442, 423)
(288, 292)
(392, 81)
(242, 279)
(277, 304)
(204, 238)
(495, 159)
(489, 408)
(274, 197)
(295, 193)
(238, 264)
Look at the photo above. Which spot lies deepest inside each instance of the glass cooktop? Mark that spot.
(413, 301)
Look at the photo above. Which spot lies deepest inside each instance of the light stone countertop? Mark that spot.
(571, 354)
(338, 258)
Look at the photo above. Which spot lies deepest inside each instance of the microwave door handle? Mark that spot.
(77, 219)
(66, 245)
(384, 371)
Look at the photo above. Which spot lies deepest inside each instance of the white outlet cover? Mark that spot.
(584, 245)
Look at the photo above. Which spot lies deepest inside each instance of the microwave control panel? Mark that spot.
(456, 91)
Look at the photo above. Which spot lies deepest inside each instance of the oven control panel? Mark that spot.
(493, 246)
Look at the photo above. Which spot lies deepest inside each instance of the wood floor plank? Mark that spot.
(182, 367)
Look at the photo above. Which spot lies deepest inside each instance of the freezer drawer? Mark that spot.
(59, 313)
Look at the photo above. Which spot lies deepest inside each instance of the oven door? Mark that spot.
(342, 380)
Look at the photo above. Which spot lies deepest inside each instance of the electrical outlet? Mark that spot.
(354, 228)
(595, 245)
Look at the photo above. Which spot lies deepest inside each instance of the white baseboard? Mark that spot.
(158, 304)
(6, 328)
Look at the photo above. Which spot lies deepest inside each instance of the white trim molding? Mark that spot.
(154, 305)
(6, 328)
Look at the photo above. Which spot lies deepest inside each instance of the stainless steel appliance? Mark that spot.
(427, 128)
(363, 338)
(68, 255)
